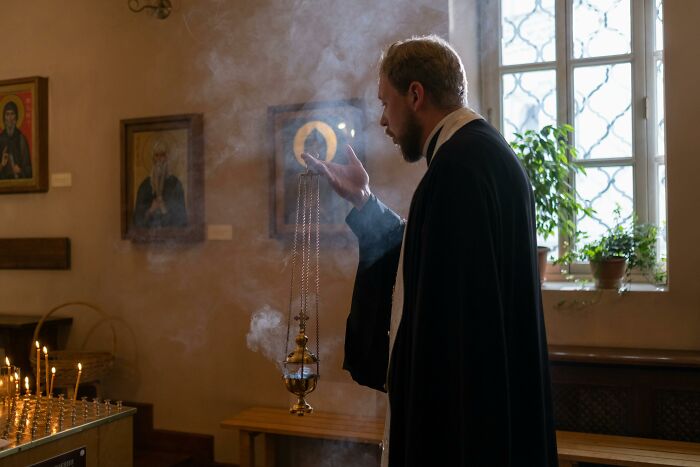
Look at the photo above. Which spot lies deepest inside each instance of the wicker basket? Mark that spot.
(95, 364)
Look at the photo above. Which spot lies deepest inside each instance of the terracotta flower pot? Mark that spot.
(609, 272)
(542, 261)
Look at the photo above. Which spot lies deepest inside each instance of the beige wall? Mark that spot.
(188, 308)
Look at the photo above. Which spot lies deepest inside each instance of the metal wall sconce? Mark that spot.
(161, 8)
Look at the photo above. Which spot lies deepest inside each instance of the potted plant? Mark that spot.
(625, 246)
(549, 161)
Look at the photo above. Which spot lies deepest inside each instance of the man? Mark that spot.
(468, 377)
(15, 161)
(160, 200)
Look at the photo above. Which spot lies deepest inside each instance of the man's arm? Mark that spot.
(379, 233)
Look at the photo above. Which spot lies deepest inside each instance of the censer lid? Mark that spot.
(301, 353)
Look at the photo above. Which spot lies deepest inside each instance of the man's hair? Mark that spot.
(432, 62)
(10, 106)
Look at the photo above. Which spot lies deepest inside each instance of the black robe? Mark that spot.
(468, 381)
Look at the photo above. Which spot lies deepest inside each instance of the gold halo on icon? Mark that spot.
(305, 130)
(20, 109)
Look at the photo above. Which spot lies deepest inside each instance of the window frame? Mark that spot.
(642, 55)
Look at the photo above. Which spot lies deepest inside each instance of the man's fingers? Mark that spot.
(315, 165)
(352, 158)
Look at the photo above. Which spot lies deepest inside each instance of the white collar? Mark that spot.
(449, 125)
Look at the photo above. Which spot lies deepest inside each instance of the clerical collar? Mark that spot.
(450, 123)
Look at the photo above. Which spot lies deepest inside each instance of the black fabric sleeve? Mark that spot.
(379, 232)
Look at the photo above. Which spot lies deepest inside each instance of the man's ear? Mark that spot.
(416, 95)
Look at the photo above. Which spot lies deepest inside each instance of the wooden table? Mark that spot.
(323, 425)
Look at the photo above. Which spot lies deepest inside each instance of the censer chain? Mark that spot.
(318, 272)
(294, 256)
(308, 197)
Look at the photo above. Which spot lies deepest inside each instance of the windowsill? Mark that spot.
(580, 285)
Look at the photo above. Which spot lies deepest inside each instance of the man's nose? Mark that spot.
(383, 121)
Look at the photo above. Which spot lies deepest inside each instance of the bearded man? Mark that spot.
(160, 200)
(463, 353)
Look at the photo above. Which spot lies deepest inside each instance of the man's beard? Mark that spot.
(158, 174)
(409, 142)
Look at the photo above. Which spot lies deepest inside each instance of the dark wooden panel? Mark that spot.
(631, 392)
(34, 253)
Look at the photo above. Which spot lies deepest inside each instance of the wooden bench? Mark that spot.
(623, 450)
(573, 447)
(321, 425)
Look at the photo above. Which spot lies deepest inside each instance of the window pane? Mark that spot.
(604, 188)
(601, 27)
(660, 119)
(529, 101)
(661, 209)
(659, 35)
(602, 111)
(527, 28)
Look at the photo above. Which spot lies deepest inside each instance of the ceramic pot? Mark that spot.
(609, 273)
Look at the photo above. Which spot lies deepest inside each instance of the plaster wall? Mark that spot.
(187, 309)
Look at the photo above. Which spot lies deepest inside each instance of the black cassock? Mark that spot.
(468, 381)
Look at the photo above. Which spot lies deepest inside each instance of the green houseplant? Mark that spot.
(549, 161)
(624, 247)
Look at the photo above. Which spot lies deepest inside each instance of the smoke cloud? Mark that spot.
(267, 334)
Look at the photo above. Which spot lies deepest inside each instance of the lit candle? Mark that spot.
(38, 369)
(26, 384)
(9, 374)
(53, 376)
(17, 383)
(46, 367)
(77, 381)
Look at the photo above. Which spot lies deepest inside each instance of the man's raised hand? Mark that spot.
(349, 180)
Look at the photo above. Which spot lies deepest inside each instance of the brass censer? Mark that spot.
(301, 366)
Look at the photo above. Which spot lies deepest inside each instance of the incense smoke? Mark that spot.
(267, 333)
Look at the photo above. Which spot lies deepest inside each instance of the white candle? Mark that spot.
(46, 367)
(53, 376)
(38, 369)
(26, 384)
(77, 381)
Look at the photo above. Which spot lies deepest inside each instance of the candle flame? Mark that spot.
(46, 350)
(53, 370)
(37, 344)
(16, 376)
(80, 367)
(7, 361)
(26, 382)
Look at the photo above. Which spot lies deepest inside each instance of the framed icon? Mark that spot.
(162, 174)
(321, 128)
(24, 135)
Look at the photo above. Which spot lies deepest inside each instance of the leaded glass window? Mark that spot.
(598, 65)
